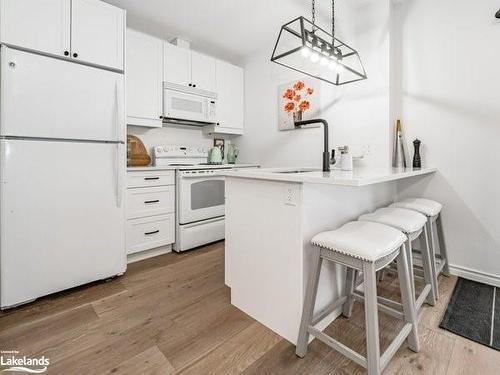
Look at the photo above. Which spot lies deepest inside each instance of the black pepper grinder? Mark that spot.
(417, 161)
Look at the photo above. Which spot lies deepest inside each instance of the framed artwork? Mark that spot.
(298, 100)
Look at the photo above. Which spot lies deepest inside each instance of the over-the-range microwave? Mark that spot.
(188, 105)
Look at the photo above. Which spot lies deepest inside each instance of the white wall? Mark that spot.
(451, 101)
(358, 113)
(170, 135)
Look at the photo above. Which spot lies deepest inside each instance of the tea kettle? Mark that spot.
(215, 156)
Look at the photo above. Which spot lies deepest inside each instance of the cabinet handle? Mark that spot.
(75, 55)
(194, 85)
(66, 53)
(151, 178)
(150, 233)
(190, 84)
(150, 202)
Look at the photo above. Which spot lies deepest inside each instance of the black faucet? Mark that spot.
(326, 153)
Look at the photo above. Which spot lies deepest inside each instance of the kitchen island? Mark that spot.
(271, 216)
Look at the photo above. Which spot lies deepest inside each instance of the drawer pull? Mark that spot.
(150, 202)
(150, 233)
(151, 178)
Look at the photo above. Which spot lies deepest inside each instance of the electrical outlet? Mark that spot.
(291, 195)
(367, 149)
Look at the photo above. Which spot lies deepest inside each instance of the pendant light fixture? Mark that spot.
(307, 48)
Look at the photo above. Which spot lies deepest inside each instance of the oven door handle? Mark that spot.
(202, 176)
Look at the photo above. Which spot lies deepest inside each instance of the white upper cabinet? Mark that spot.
(189, 68)
(230, 98)
(177, 65)
(203, 74)
(40, 25)
(90, 31)
(97, 33)
(144, 76)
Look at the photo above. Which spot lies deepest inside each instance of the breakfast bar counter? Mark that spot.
(271, 216)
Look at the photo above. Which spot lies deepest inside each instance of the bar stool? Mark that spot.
(412, 224)
(432, 210)
(366, 247)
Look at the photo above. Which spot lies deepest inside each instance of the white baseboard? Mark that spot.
(474, 275)
(132, 258)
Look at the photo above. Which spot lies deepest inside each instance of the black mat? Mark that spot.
(470, 312)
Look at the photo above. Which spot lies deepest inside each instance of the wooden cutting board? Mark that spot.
(137, 156)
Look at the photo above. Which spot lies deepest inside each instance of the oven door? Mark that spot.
(200, 195)
(184, 106)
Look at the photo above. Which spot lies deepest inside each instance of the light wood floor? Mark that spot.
(172, 314)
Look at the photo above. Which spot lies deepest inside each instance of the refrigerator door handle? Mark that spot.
(120, 119)
(119, 177)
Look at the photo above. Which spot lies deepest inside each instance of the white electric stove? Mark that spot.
(199, 193)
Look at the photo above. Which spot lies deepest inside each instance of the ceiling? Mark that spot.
(229, 29)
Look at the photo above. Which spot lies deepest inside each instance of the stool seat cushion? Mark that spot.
(361, 239)
(425, 206)
(407, 221)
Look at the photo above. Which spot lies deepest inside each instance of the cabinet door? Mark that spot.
(41, 25)
(97, 33)
(203, 72)
(177, 65)
(230, 99)
(144, 79)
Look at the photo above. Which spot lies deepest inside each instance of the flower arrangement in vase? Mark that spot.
(297, 100)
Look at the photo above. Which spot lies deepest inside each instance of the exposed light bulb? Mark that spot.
(314, 57)
(323, 61)
(340, 69)
(305, 51)
(332, 65)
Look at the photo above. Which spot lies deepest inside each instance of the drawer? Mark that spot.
(150, 178)
(150, 232)
(148, 201)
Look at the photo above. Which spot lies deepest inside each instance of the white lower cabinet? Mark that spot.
(150, 210)
(150, 232)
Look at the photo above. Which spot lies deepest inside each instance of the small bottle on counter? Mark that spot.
(345, 159)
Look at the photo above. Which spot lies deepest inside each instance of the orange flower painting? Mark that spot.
(297, 93)
(298, 100)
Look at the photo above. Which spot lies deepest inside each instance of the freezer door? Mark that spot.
(62, 216)
(51, 98)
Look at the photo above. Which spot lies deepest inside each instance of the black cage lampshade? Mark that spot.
(308, 49)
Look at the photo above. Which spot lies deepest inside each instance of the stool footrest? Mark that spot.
(388, 306)
(338, 346)
(395, 345)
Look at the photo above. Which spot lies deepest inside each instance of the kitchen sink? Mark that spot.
(297, 171)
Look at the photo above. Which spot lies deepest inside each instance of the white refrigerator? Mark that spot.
(62, 169)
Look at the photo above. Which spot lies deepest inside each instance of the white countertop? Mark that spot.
(189, 167)
(359, 177)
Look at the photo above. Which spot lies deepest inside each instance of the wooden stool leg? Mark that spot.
(433, 256)
(442, 246)
(371, 317)
(309, 301)
(410, 315)
(428, 274)
(350, 285)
